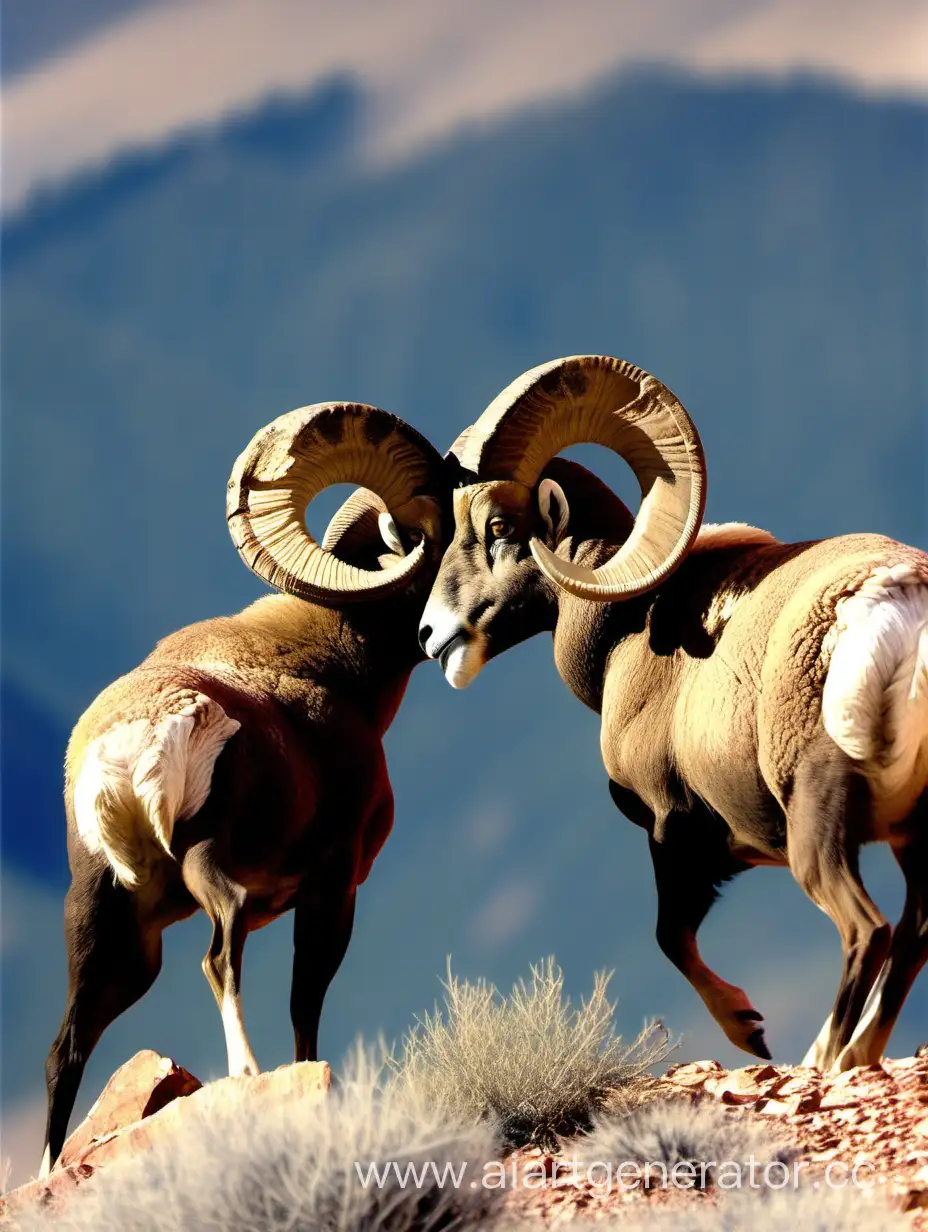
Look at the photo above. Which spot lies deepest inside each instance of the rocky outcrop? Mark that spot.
(148, 1100)
(874, 1115)
(874, 1119)
(138, 1089)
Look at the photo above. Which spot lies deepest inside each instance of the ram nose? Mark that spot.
(439, 626)
(460, 649)
(438, 642)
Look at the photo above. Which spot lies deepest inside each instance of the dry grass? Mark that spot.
(676, 1131)
(260, 1168)
(533, 1062)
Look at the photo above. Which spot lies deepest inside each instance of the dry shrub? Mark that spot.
(287, 1168)
(677, 1131)
(533, 1062)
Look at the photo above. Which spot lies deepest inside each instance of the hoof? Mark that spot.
(741, 1028)
(758, 1045)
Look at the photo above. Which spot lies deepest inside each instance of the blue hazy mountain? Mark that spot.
(40, 29)
(759, 247)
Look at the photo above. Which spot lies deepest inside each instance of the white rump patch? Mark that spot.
(729, 535)
(875, 699)
(139, 778)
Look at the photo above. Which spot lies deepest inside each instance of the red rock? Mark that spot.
(775, 1107)
(838, 1098)
(688, 1082)
(736, 1097)
(308, 1080)
(793, 1098)
(144, 1085)
(851, 1116)
(809, 1101)
(753, 1076)
(750, 1082)
(916, 1199)
(58, 1185)
(860, 1075)
(678, 1072)
(693, 1076)
(793, 1106)
(799, 1083)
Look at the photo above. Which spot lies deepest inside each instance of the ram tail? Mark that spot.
(139, 778)
(875, 700)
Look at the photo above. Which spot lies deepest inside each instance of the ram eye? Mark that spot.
(501, 528)
(416, 536)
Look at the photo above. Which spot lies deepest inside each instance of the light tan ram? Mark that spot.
(240, 768)
(761, 702)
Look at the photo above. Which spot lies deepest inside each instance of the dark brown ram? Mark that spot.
(240, 768)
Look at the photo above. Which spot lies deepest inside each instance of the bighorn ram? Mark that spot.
(761, 702)
(240, 767)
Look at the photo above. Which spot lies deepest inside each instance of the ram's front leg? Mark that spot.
(322, 927)
(325, 907)
(686, 888)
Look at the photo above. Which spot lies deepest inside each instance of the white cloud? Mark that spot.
(506, 913)
(881, 46)
(488, 827)
(429, 66)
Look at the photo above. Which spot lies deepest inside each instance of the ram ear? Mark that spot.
(552, 505)
(390, 534)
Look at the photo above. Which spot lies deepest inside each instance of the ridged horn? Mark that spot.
(595, 398)
(290, 461)
(353, 527)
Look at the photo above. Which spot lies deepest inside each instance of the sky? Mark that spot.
(132, 74)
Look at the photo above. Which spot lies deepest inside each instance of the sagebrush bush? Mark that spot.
(534, 1063)
(291, 1168)
(671, 1131)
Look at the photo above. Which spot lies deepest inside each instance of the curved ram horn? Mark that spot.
(609, 402)
(290, 461)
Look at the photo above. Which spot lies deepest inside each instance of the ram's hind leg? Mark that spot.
(223, 900)
(687, 880)
(691, 859)
(907, 954)
(827, 821)
(114, 955)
